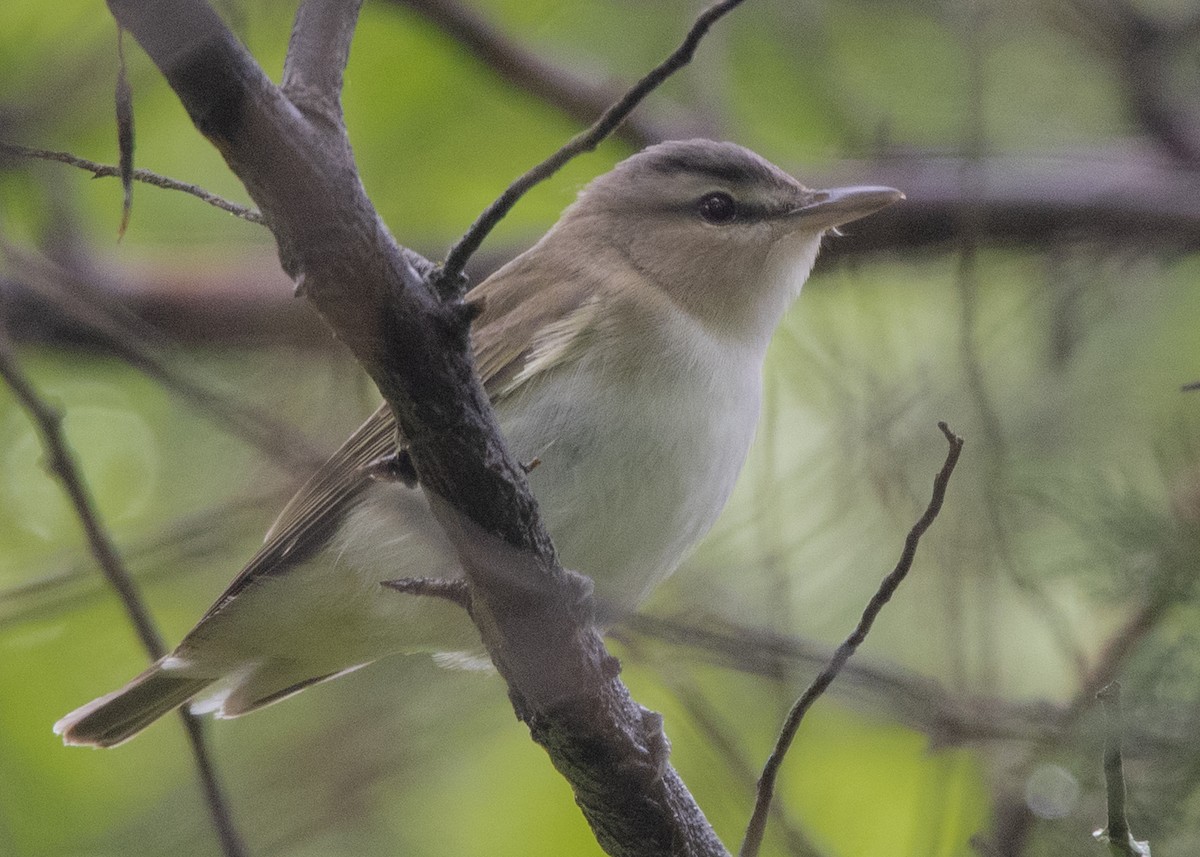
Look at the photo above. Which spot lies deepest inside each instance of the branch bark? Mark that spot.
(766, 783)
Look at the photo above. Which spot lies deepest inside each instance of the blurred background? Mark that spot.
(1038, 290)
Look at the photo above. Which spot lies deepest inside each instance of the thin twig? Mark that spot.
(585, 141)
(101, 171)
(62, 465)
(1117, 834)
(766, 783)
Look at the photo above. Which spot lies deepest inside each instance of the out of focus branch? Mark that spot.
(61, 464)
(1128, 197)
(557, 86)
(1120, 196)
(921, 703)
(1142, 50)
(75, 298)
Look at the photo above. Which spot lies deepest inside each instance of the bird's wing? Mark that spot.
(516, 337)
(307, 521)
(512, 346)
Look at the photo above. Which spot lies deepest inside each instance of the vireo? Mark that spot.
(624, 351)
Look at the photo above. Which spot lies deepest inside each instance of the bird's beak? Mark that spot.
(833, 207)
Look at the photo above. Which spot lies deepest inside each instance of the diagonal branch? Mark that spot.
(766, 783)
(585, 141)
(61, 464)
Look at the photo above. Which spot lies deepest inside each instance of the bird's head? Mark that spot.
(728, 236)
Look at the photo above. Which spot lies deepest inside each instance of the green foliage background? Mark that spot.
(1056, 527)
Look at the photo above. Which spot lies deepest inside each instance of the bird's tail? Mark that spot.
(118, 716)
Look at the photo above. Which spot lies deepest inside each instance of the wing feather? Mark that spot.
(515, 341)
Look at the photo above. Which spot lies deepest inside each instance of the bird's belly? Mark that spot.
(626, 497)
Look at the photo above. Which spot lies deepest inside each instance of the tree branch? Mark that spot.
(100, 171)
(317, 56)
(61, 464)
(766, 783)
(1117, 833)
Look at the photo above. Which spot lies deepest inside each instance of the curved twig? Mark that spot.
(766, 783)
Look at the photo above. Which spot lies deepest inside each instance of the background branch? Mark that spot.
(528, 71)
(61, 465)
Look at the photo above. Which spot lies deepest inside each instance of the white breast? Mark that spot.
(635, 468)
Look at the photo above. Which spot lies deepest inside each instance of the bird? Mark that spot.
(623, 353)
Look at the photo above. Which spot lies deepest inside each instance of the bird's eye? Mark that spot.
(717, 207)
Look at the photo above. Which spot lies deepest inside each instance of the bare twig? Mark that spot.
(1117, 833)
(453, 590)
(456, 260)
(766, 783)
(512, 62)
(62, 465)
(99, 171)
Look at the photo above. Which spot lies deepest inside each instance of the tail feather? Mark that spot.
(116, 717)
(265, 687)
